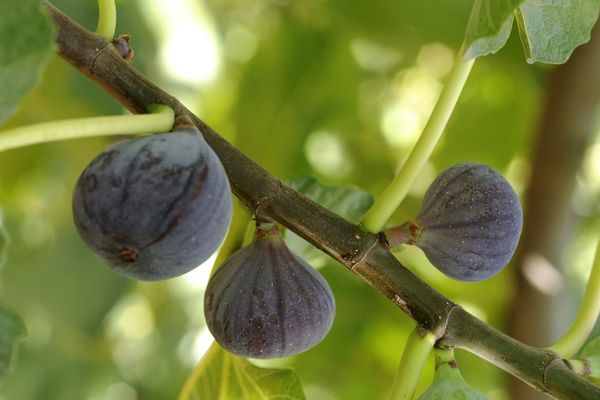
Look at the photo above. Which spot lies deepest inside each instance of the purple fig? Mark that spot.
(154, 207)
(470, 222)
(265, 302)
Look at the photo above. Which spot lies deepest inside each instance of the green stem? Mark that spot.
(443, 356)
(161, 120)
(107, 19)
(393, 195)
(585, 320)
(411, 365)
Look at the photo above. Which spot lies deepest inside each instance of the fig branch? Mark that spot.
(365, 254)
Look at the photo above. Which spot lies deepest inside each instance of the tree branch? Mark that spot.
(363, 253)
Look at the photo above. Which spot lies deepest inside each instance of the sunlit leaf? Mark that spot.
(25, 53)
(489, 26)
(220, 375)
(12, 330)
(348, 202)
(551, 30)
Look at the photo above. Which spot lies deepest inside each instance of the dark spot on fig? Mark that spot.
(116, 181)
(90, 182)
(258, 293)
(128, 255)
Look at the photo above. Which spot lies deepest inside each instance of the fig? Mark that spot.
(265, 302)
(448, 383)
(154, 207)
(469, 224)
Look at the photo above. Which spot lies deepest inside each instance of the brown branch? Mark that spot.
(363, 253)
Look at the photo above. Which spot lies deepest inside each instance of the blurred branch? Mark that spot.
(567, 122)
(363, 253)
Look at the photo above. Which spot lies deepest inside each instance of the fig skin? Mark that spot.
(265, 302)
(470, 222)
(154, 207)
(448, 384)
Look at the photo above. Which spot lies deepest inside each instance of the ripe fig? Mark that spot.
(265, 302)
(448, 384)
(154, 207)
(469, 224)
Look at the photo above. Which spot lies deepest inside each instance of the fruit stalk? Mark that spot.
(397, 190)
(161, 120)
(107, 19)
(413, 360)
(586, 317)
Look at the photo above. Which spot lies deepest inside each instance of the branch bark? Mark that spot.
(363, 253)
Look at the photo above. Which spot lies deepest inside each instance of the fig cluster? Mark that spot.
(265, 302)
(469, 224)
(154, 207)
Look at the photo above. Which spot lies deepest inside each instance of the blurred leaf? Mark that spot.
(591, 349)
(489, 26)
(4, 241)
(348, 202)
(12, 330)
(220, 375)
(551, 30)
(24, 56)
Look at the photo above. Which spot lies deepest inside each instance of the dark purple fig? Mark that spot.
(154, 207)
(265, 302)
(470, 222)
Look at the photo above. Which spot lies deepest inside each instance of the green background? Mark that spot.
(334, 89)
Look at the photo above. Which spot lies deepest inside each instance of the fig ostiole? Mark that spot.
(265, 302)
(469, 224)
(154, 207)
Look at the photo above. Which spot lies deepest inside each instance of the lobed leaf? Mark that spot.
(220, 375)
(489, 26)
(549, 29)
(25, 54)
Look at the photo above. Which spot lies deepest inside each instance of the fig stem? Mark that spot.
(413, 360)
(407, 233)
(107, 19)
(584, 322)
(586, 366)
(383, 208)
(160, 120)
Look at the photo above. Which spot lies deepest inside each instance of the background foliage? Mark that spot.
(338, 90)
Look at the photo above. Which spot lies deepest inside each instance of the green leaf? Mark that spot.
(223, 376)
(348, 202)
(25, 52)
(551, 29)
(489, 26)
(4, 241)
(12, 330)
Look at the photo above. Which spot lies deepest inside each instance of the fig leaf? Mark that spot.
(221, 375)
